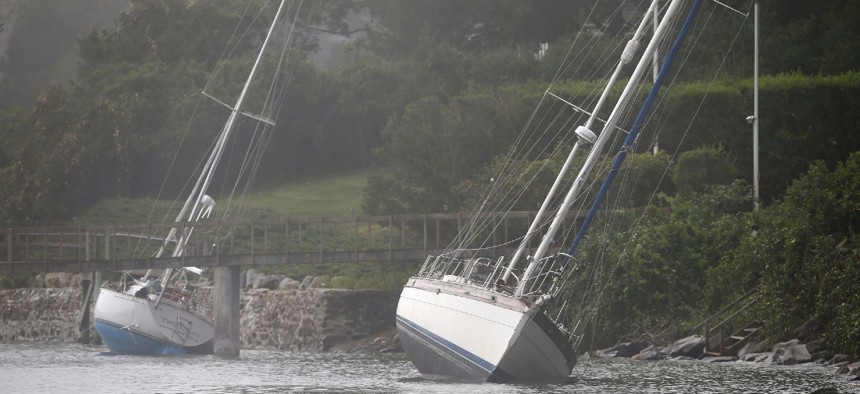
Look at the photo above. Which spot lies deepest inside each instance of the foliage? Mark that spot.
(13, 281)
(40, 49)
(700, 168)
(436, 147)
(831, 111)
(652, 273)
(116, 131)
(471, 25)
(645, 176)
(800, 36)
(802, 254)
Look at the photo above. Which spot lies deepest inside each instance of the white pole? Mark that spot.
(755, 111)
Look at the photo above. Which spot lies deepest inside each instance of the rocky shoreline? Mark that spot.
(284, 314)
(793, 352)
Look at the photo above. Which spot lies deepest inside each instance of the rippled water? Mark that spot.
(54, 368)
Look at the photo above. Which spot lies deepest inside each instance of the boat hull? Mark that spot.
(135, 325)
(461, 332)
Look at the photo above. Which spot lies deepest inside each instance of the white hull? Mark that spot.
(463, 332)
(134, 325)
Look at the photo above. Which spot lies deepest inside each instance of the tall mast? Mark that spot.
(584, 136)
(197, 198)
(610, 125)
(634, 130)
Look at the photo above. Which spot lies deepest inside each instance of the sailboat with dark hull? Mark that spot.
(160, 313)
(483, 319)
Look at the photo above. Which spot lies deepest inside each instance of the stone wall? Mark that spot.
(33, 314)
(295, 319)
(314, 319)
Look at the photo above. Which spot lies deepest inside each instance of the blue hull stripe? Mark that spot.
(124, 341)
(486, 365)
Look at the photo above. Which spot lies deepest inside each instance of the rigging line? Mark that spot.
(251, 151)
(556, 146)
(594, 37)
(641, 218)
(263, 133)
(232, 46)
(637, 124)
(224, 52)
(506, 200)
(731, 9)
(272, 99)
(183, 138)
(704, 97)
(665, 119)
(523, 164)
(572, 45)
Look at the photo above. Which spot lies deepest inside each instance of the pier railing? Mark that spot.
(213, 243)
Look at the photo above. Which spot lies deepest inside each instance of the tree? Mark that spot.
(475, 25)
(645, 271)
(434, 147)
(41, 46)
(699, 168)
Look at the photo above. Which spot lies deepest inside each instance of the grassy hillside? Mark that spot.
(330, 195)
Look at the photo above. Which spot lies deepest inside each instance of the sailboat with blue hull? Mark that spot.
(483, 319)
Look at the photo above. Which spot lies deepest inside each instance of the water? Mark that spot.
(56, 368)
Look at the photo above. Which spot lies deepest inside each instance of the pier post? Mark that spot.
(226, 308)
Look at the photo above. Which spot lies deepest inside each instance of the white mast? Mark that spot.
(610, 125)
(198, 195)
(198, 199)
(585, 135)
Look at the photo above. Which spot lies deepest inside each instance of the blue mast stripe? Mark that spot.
(634, 131)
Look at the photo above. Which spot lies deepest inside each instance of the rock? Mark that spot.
(814, 346)
(250, 277)
(306, 282)
(650, 353)
(36, 282)
(270, 282)
(59, 280)
(719, 359)
(289, 284)
(790, 353)
(810, 330)
(850, 369)
(756, 357)
(838, 358)
(752, 347)
(692, 347)
(625, 349)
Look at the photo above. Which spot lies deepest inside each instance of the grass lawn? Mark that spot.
(331, 195)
